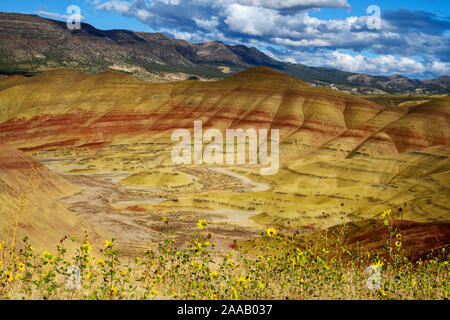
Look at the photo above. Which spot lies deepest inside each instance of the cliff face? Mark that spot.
(30, 44)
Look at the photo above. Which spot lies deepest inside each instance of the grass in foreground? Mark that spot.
(200, 271)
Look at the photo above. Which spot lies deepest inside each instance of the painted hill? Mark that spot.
(30, 45)
(28, 196)
(75, 109)
(343, 158)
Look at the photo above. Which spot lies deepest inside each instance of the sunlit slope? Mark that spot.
(424, 125)
(335, 148)
(28, 194)
(161, 179)
(68, 108)
(327, 193)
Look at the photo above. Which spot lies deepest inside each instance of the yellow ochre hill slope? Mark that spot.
(28, 198)
(342, 158)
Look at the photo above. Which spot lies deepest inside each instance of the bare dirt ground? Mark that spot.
(102, 194)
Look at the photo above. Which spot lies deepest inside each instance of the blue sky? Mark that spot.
(413, 38)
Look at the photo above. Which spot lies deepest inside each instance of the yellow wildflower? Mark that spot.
(241, 281)
(379, 264)
(271, 232)
(236, 297)
(86, 247)
(201, 224)
(46, 256)
(9, 276)
(386, 213)
(213, 296)
(213, 274)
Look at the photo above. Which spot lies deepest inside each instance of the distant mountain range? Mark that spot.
(30, 44)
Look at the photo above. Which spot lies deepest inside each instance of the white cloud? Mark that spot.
(207, 24)
(302, 43)
(383, 64)
(289, 4)
(251, 20)
(170, 2)
(290, 59)
(115, 5)
(439, 67)
(55, 15)
(279, 4)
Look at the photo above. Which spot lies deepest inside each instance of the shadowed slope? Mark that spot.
(419, 240)
(28, 194)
